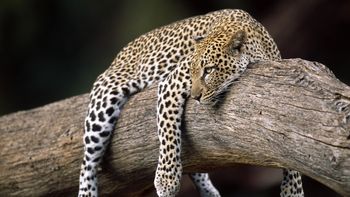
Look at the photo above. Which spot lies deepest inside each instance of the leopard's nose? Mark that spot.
(197, 97)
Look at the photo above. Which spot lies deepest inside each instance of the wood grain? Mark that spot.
(293, 114)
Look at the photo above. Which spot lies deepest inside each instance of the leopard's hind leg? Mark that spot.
(106, 100)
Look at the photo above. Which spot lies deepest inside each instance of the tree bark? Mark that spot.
(292, 114)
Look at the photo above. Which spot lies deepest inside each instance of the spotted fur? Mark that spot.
(198, 57)
(291, 184)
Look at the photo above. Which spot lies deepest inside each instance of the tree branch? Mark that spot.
(292, 114)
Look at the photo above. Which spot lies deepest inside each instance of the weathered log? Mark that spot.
(293, 114)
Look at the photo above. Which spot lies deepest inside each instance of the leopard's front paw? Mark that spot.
(167, 180)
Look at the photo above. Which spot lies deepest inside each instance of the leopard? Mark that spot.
(195, 58)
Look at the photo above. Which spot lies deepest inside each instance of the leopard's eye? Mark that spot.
(208, 70)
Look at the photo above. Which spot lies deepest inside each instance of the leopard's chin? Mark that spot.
(208, 102)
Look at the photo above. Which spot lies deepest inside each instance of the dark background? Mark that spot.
(54, 49)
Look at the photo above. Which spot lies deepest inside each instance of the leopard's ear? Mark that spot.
(198, 38)
(237, 41)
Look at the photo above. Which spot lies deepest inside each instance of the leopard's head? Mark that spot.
(223, 55)
(218, 59)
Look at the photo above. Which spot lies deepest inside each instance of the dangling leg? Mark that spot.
(106, 100)
(172, 94)
(291, 184)
(204, 185)
(171, 102)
